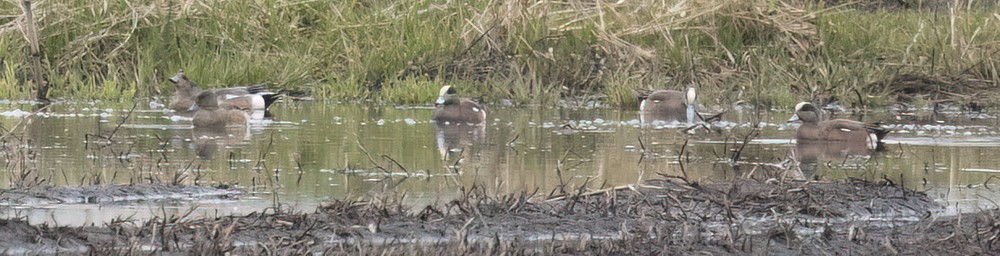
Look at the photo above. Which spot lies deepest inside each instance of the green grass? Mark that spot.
(761, 51)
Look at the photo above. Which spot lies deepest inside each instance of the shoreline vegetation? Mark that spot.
(771, 53)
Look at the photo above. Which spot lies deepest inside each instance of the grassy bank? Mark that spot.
(769, 52)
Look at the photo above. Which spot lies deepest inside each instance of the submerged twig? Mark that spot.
(122, 122)
(370, 158)
(680, 161)
(391, 160)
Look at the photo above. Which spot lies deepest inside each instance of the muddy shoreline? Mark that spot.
(659, 216)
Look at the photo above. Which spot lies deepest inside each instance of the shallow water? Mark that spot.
(311, 152)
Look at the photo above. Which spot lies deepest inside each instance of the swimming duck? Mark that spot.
(254, 97)
(668, 105)
(208, 114)
(453, 109)
(815, 129)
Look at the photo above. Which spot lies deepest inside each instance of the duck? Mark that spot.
(208, 114)
(837, 130)
(184, 96)
(254, 97)
(668, 105)
(450, 109)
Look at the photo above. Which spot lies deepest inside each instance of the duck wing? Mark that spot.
(471, 104)
(850, 126)
(241, 90)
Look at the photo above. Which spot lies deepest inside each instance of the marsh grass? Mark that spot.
(529, 52)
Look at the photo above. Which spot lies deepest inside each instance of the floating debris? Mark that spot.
(980, 170)
(15, 113)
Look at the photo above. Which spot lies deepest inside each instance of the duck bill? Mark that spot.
(193, 107)
(795, 118)
(439, 101)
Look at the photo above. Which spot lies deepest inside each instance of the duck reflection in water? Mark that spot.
(454, 139)
(207, 141)
(812, 154)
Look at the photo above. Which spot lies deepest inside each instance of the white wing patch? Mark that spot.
(845, 130)
(475, 109)
(872, 141)
(258, 102)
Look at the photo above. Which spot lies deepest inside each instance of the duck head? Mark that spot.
(446, 93)
(805, 112)
(205, 100)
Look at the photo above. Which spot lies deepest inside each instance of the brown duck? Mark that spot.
(254, 97)
(849, 131)
(453, 109)
(210, 115)
(668, 105)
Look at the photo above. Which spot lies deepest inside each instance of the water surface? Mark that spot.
(311, 152)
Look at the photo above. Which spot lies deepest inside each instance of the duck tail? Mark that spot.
(270, 98)
(295, 95)
(640, 94)
(257, 88)
(879, 131)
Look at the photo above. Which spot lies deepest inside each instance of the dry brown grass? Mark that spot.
(526, 51)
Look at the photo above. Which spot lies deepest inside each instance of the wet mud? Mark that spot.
(657, 217)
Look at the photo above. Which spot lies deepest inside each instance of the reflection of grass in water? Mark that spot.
(398, 52)
(20, 155)
(21, 167)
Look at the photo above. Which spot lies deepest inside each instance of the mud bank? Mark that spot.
(658, 217)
